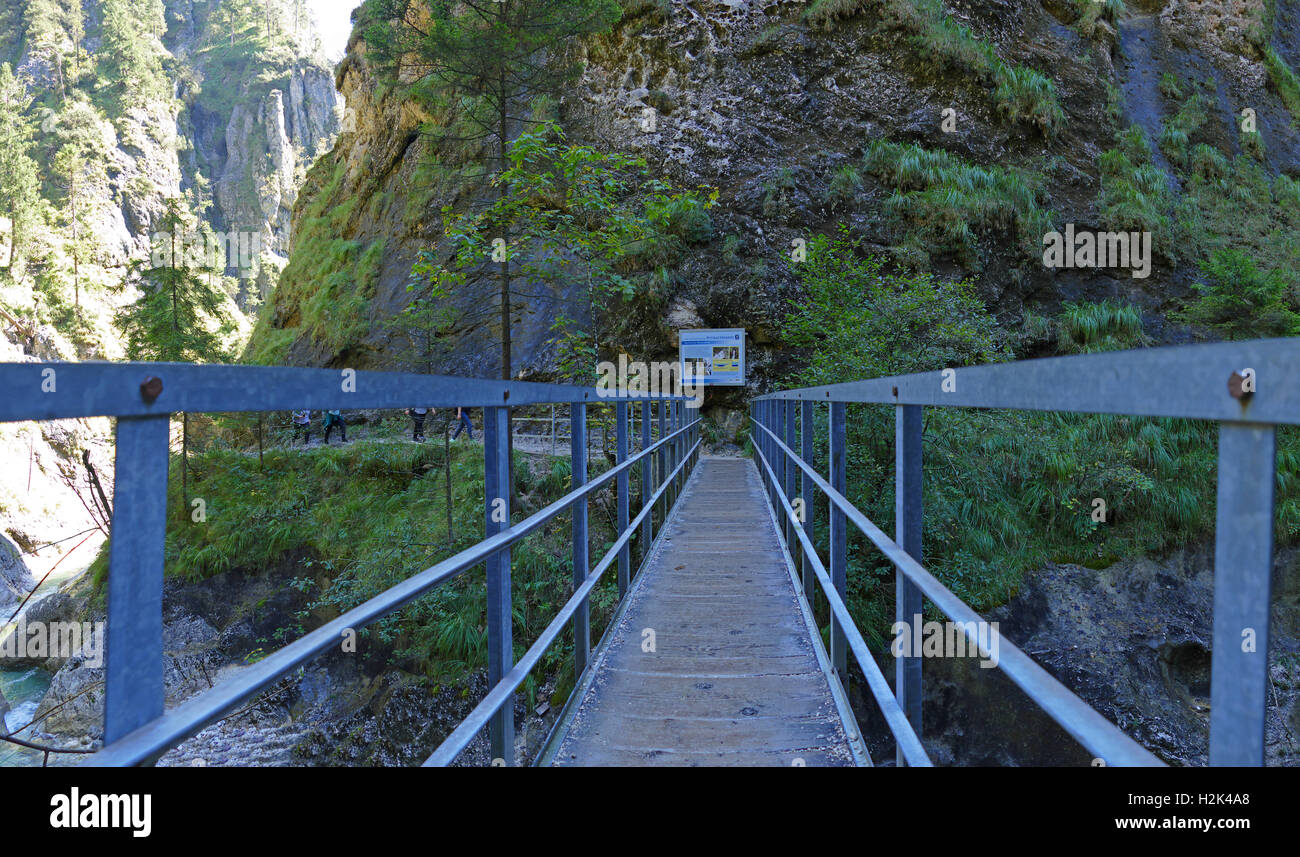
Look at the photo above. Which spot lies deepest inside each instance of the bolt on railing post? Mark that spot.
(838, 472)
(806, 493)
(134, 666)
(647, 525)
(496, 510)
(789, 407)
(581, 566)
(624, 553)
(908, 507)
(1243, 565)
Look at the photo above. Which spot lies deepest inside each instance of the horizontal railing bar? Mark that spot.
(51, 391)
(147, 743)
(462, 735)
(1189, 381)
(894, 716)
(1097, 734)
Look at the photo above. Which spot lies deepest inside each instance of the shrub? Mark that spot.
(941, 200)
(1085, 328)
(1240, 301)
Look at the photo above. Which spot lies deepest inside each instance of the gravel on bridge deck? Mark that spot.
(734, 676)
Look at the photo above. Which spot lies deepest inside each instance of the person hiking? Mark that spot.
(302, 426)
(417, 418)
(332, 419)
(464, 424)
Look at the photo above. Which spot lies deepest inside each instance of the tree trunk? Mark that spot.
(446, 457)
(76, 252)
(185, 461)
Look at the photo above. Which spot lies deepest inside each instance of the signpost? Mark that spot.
(712, 357)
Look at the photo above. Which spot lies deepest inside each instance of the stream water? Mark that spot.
(23, 689)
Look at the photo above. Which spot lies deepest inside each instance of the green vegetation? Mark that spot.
(1229, 216)
(941, 203)
(1284, 80)
(20, 199)
(1011, 491)
(1085, 328)
(1019, 93)
(1135, 195)
(1092, 12)
(1239, 301)
(477, 63)
(178, 316)
(594, 226)
(350, 521)
(325, 290)
(130, 58)
(1177, 131)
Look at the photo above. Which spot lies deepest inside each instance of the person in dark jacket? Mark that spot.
(417, 420)
(333, 419)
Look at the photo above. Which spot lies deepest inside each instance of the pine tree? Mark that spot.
(483, 64)
(20, 198)
(178, 317)
(79, 167)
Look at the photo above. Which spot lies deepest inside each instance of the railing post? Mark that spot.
(134, 667)
(839, 538)
(624, 553)
(647, 524)
(806, 492)
(681, 445)
(581, 565)
(790, 469)
(496, 480)
(663, 459)
(672, 455)
(765, 420)
(907, 532)
(1243, 565)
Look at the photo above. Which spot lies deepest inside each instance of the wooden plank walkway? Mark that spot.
(734, 676)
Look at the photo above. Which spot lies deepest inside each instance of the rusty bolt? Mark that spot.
(1236, 382)
(895, 392)
(150, 388)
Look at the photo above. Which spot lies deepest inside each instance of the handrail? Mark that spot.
(145, 745)
(143, 396)
(1190, 381)
(908, 742)
(1088, 727)
(101, 389)
(1249, 388)
(498, 696)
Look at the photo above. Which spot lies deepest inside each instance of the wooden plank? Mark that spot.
(711, 662)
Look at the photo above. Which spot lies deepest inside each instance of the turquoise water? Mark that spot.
(23, 689)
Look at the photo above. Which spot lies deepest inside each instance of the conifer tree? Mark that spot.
(482, 65)
(178, 318)
(20, 199)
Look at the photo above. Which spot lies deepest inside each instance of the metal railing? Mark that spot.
(144, 396)
(1249, 388)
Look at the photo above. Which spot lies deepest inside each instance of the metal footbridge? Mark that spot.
(712, 656)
